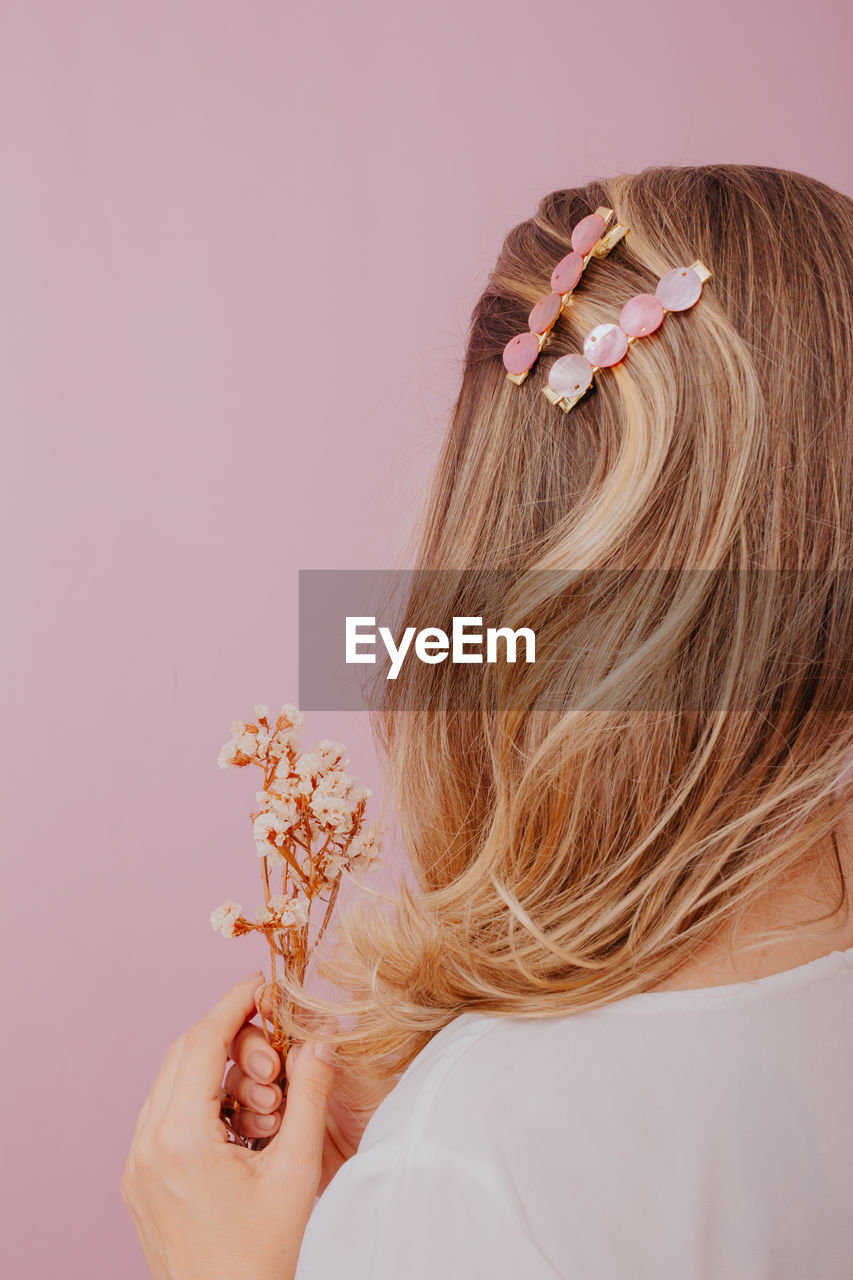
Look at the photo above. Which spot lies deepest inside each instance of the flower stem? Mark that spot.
(329, 908)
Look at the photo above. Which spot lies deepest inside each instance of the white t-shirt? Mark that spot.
(674, 1135)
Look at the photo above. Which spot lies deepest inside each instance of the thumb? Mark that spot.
(300, 1140)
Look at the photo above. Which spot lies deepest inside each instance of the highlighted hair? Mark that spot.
(563, 858)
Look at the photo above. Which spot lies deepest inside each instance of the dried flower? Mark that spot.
(283, 911)
(309, 825)
(225, 917)
(365, 846)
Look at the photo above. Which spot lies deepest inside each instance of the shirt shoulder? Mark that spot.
(431, 1079)
(406, 1205)
(552, 1146)
(399, 1210)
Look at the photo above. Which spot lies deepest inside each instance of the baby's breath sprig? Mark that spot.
(309, 827)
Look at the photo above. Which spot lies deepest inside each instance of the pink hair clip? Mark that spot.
(570, 377)
(588, 241)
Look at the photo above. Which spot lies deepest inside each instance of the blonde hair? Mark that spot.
(565, 857)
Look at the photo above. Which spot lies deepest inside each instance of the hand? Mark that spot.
(252, 1080)
(206, 1207)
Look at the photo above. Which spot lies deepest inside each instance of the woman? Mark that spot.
(609, 1029)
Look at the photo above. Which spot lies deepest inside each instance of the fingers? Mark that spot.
(254, 1125)
(200, 1067)
(254, 1056)
(262, 1098)
(301, 1138)
(261, 1105)
(319, 1022)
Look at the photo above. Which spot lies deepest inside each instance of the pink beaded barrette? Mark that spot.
(588, 241)
(570, 377)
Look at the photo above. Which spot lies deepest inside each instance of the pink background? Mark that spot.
(240, 245)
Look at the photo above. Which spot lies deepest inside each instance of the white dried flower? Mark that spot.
(283, 911)
(329, 752)
(364, 847)
(268, 827)
(314, 827)
(336, 862)
(223, 918)
(241, 748)
(339, 786)
(283, 785)
(281, 743)
(308, 803)
(290, 721)
(335, 783)
(309, 767)
(331, 811)
(248, 745)
(284, 809)
(295, 913)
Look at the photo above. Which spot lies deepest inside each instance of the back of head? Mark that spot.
(729, 427)
(567, 855)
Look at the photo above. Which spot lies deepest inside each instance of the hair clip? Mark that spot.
(570, 377)
(588, 241)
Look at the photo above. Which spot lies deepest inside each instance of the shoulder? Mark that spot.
(411, 1202)
(467, 1159)
(492, 1152)
(435, 1076)
(419, 1211)
(491, 1080)
(518, 1092)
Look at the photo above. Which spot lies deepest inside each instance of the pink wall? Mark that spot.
(240, 244)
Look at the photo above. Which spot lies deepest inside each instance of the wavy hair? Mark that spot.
(563, 857)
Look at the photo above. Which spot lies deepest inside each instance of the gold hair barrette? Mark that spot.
(590, 239)
(570, 377)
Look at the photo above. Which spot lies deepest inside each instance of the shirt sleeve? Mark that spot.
(395, 1212)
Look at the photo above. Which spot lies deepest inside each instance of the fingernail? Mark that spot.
(265, 1122)
(325, 1052)
(264, 1095)
(261, 1065)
